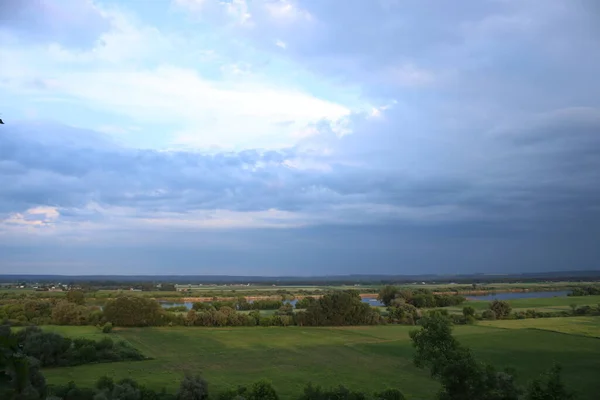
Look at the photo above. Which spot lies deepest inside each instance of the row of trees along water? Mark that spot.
(334, 309)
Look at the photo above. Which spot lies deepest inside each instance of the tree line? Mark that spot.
(241, 304)
(336, 309)
(333, 309)
(420, 298)
(585, 291)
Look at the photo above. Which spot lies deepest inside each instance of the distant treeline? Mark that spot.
(586, 291)
(119, 281)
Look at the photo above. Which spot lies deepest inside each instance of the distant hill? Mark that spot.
(312, 280)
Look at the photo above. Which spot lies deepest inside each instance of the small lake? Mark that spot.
(519, 295)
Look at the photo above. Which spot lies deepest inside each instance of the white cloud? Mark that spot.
(280, 43)
(115, 77)
(286, 11)
(191, 4)
(215, 113)
(37, 217)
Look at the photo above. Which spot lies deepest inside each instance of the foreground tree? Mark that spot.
(461, 376)
(20, 378)
(550, 387)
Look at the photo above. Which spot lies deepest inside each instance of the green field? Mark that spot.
(366, 358)
(585, 326)
(540, 303)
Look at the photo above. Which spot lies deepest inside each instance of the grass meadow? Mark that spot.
(539, 303)
(365, 358)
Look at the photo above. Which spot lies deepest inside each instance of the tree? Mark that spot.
(286, 309)
(168, 287)
(261, 390)
(126, 391)
(76, 297)
(107, 328)
(340, 308)
(66, 313)
(468, 311)
(387, 294)
(402, 312)
(20, 378)
(488, 314)
(549, 387)
(461, 376)
(193, 388)
(501, 308)
(133, 311)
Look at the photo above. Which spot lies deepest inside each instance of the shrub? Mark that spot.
(488, 314)
(389, 394)
(107, 328)
(500, 308)
(262, 390)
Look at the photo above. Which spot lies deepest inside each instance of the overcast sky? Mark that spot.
(282, 137)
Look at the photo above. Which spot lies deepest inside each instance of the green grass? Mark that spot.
(547, 303)
(365, 358)
(585, 326)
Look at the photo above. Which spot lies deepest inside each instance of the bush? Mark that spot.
(468, 311)
(107, 328)
(501, 308)
(339, 393)
(53, 350)
(261, 390)
(389, 394)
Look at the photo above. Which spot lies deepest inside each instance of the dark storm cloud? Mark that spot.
(544, 170)
(487, 160)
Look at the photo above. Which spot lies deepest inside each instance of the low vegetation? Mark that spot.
(54, 350)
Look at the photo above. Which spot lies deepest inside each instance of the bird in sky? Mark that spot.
(1, 122)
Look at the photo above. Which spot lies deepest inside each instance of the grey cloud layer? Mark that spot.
(488, 159)
(545, 169)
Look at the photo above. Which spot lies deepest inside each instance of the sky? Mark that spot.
(290, 137)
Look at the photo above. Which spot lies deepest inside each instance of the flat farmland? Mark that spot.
(365, 358)
(539, 303)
